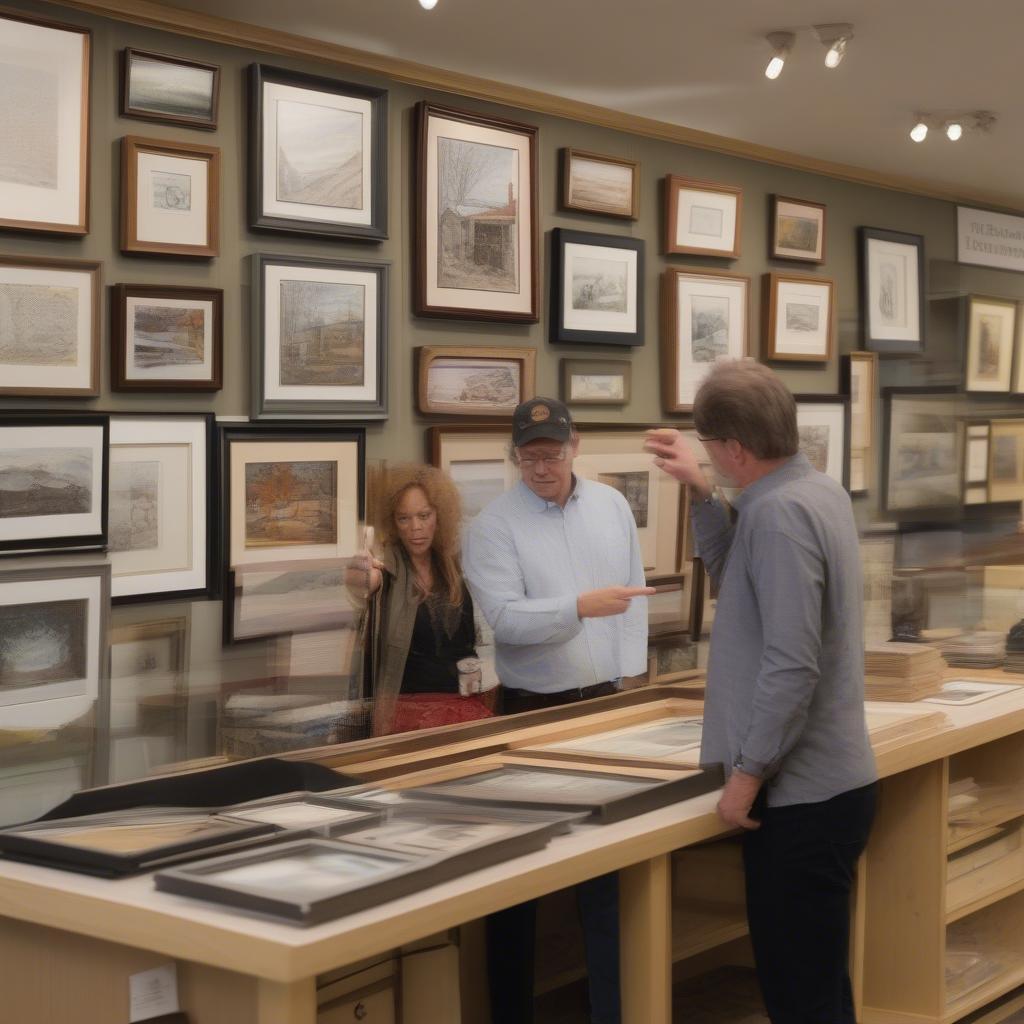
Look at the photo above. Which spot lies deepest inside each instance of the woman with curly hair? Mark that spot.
(419, 606)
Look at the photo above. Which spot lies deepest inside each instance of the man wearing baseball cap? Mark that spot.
(554, 565)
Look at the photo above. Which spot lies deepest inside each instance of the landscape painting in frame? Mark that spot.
(595, 381)
(798, 230)
(318, 155)
(171, 90)
(600, 184)
(474, 382)
(892, 291)
(822, 424)
(800, 320)
(44, 125)
(477, 217)
(53, 481)
(49, 326)
(479, 482)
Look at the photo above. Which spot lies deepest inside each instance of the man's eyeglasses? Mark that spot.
(531, 461)
(704, 440)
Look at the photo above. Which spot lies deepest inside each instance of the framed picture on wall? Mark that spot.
(594, 183)
(166, 338)
(797, 230)
(477, 456)
(318, 155)
(44, 134)
(892, 278)
(476, 217)
(170, 197)
(860, 383)
(49, 327)
(169, 90)
(823, 425)
(1006, 460)
(597, 295)
(322, 338)
(458, 381)
(595, 381)
(704, 217)
(991, 338)
(53, 481)
(977, 438)
(705, 316)
(799, 323)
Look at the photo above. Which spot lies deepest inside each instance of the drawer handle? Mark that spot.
(360, 1011)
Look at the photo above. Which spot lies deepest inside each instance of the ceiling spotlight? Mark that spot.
(954, 130)
(919, 132)
(835, 37)
(428, 5)
(781, 43)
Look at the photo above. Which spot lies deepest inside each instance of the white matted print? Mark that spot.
(703, 217)
(892, 290)
(969, 691)
(800, 317)
(479, 482)
(600, 292)
(169, 339)
(171, 201)
(991, 339)
(976, 455)
(821, 427)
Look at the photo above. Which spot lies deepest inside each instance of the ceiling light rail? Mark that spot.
(953, 123)
(835, 37)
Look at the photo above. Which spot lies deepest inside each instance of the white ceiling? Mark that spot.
(700, 63)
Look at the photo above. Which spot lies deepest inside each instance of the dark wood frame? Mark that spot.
(142, 114)
(89, 541)
(669, 361)
(966, 484)
(377, 229)
(82, 266)
(424, 111)
(131, 147)
(119, 295)
(772, 280)
(569, 154)
(673, 184)
(562, 335)
(426, 354)
(844, 401)
(315, 409)
(846, 385)
(81, 227)
(880, 344)
(773, 232)
(622, 367)
(969, 341)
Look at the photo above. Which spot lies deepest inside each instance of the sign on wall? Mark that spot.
(990, 239)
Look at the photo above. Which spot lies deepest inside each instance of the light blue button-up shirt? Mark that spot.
(527, 559)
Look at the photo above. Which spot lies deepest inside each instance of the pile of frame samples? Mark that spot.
(982, 649)
(902, 671)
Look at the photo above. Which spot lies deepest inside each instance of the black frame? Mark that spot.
(880, 344)
(142, 114)
(83, 541)
(844, 401)
(559, 334)
(282, 409)
(377, 229)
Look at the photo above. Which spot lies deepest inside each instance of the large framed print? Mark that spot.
(161, 505)
(597, 295)
(892, 289)
(49, 326)
(860, 383)
(44, 125)
(458, 381)
(476, 191)
(322, 338)
(704, 217)
(166, 338)
(596, 381)
(318, 155)
(53, 481)
(797, 230)
(595, 183)
(291, 491)
(170, 197)
(169, 90)
(1006, 461)
(992, 333)
(823, 426)
(923, 449)
(705, 316)
(800, 319)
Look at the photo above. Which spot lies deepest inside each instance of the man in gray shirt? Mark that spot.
(784, 710)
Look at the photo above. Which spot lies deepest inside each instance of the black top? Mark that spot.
(441, 636)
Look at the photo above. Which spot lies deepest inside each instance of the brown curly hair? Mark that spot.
(386, 487)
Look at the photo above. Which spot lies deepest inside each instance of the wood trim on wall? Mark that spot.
(267, 40)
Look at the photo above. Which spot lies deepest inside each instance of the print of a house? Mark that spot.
(485, 239)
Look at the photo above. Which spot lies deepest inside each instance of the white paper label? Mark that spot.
(153, 993)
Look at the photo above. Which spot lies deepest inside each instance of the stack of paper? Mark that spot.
(981, 649)
(902, 671)
(1015, 649)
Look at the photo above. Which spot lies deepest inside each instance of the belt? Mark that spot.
(530, 700)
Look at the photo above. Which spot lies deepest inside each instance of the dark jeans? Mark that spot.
(799, 873)
(511, 943)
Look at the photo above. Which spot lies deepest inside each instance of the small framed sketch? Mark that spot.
(1006, 460)
(823, 426)
(596, 381)
(166, 338)
(44, 135)
(705, 316)
(474, 381)
(476, 245)
(800, 316)
(597, 295)
(892, 276)
(592, 183)
(323, 338)
(169, 90)
(170, 197)
(977, 438)
(53, 481)
(991, 338)
(797, 230)
(318, 155)
(160, 506)
(704, 217)
(860, 383)
(49, 326)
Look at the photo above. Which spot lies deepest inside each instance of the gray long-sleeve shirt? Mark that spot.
(785, 681)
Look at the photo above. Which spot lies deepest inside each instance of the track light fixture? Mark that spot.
(781, 43)
(919, 132)
(428, 5)
(954, 130)
(834, 38)
(953, 123)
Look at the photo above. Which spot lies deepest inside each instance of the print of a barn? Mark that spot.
(484, 239)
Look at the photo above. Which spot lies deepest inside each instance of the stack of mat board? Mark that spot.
(981, 649)
(901, 671)
(1015, 649)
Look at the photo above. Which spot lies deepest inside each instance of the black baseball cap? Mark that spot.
(539, 418)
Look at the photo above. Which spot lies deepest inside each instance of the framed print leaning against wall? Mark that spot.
(892, 283)
(860, 383)
(991, 338)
